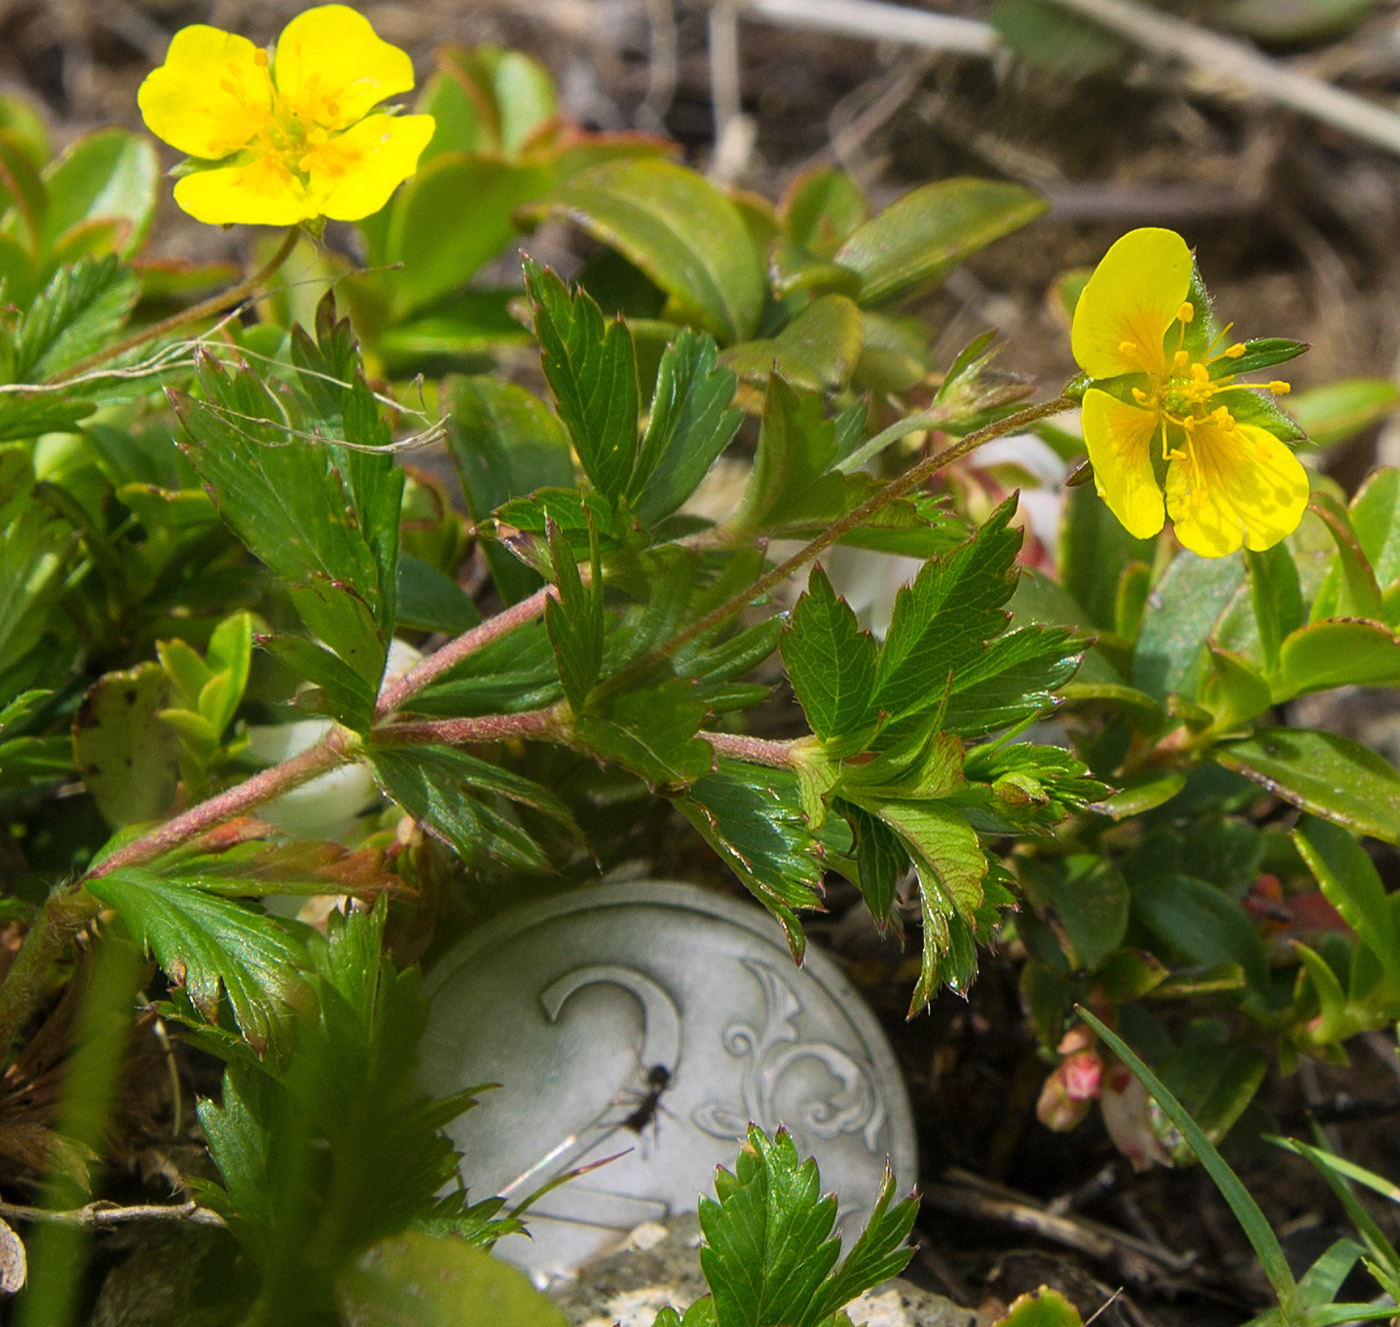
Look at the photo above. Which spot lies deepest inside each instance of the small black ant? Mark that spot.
(659, 1078)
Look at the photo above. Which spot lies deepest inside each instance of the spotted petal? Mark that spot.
(332, 68)
(1119, 438)
(1130, 301)
(210, 96)
(1245, 487)
(258, 190)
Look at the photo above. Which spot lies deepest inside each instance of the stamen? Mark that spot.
(1200, 375)
(1180, 360)
(1186, 312)
(1234, 351)
(1280, 388)
(1140, 396)
(1174, 454)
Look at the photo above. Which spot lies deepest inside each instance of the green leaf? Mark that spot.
(1261, 353)
(816, 352)
(942, 621)
(204, 942)
(110, 174)
(230, 653)
(1340, 410)
(686, 235)
(650, 732)
(127, 759)
(793, 482)
(830, 661)
(291, 502)
(1015, 678)
(1089, 897)
(455, 795)
(35, 551)
(453, 216)
(1214, 1083)
(455, 331)
(593, 374)
(1324, 773)
(20, 186)
(914, 243)
(1352, 885)
(1040, 1308)
(750, 816)
(943, 845)
(1350, 589)
(574, 620)
(1246, 1210)
(1277, 597)
(1375, 516)
(82, 306)
(1181, 614)
(346, 695)
(768, 1245)
(1201, 922)
(691, 423)
(1337, 653)
(878, 1254)
(821, 208)
(506, 444)
(416, 1280)
(430, 601)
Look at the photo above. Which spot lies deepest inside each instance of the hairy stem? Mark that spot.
(219, 303)
(896, 488)
(456, 650)
(482, 728)
(332, 750)
(756, 750)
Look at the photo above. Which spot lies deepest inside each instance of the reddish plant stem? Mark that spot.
(456, 650)
(483, 728)
(333, 750)
(896, 488)
(219, 303)
(756, 750)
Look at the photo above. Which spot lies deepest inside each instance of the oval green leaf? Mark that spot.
(1324, 773)
(816, 351)
(111, 175)
(686, 235)
(1336, 653)
(416, 1280)
(915, 242)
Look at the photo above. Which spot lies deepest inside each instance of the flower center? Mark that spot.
(294, 132)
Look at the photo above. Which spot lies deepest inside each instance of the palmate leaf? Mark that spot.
(82, 306)
(592, 372)
(649, 731)
(752, 818)
(943, 620)
(691, 423)
(454, 795)
(204, 942)
(770, 1253)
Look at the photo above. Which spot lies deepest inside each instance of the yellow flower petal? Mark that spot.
(332, 69)
(261, 192)
(1130, 301)
(354, 174)
(1119, 438)
(210, 96)
(1246, 488)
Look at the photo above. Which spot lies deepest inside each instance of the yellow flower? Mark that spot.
(1228, 481)
(292, 136)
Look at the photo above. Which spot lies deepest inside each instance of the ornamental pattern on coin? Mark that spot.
(652, 1020)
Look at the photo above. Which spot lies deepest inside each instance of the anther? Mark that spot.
(1127, 348)
(1234, 351)
(1280, 388)
(1140, 396)
(1200, 375)
(1180, 360)
(1186, 312)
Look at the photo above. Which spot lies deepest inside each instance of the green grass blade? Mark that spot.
(1246, 1210)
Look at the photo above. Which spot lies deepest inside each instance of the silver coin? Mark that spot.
(655, 1020)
